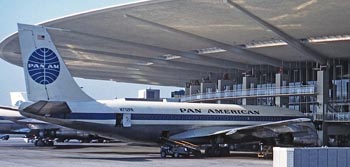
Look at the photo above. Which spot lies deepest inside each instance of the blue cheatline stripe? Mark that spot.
(1, 118)
(184, 117)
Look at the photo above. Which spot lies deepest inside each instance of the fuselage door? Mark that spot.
(123, 120)
(126, 120)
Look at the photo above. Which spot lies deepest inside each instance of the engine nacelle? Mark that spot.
(305, 138)
(301, 138)
(61, 134)
(72, 134)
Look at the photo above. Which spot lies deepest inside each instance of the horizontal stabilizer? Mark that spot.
(46, 108)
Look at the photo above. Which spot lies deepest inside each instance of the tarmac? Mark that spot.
(16, 153)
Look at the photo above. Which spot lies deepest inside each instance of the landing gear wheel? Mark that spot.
(225, 151)
(208, 151)
(197, 153)
(217, 151)
(50, 143)
(162, 154)
(85, 141)
(176, 155)
(39, 143)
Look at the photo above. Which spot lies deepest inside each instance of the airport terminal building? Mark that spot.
(292, 54)
(322, 94)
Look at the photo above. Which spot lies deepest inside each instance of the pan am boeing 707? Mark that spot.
(56, 98)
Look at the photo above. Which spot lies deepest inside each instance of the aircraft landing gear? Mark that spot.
(85, 141)
(264, 151)
(217, 151)
(43, 143)
(217, 148)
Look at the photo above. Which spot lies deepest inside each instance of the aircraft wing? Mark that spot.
(13, 114)
(8, 108)
(21, 130)
(10, 113)
(262, 127)
(31, 121)
(299, 131)
(92, 128)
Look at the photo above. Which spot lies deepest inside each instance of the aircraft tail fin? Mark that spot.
(46, 75)
(17, 98)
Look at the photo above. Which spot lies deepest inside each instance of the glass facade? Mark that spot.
(321, 92)
(297, 90)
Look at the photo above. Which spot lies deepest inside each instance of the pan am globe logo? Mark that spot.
(43, 66)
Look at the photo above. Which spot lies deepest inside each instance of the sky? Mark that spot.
(37, 11)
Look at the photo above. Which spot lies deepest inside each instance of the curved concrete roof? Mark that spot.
(166, 42)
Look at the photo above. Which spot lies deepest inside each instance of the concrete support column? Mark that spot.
(224, 85)
(187, 91)
(322, 91)
(206, 86)
(194, 89)
(187, 88)
(323, 134)
(322, 100)
(246, 84)
(281, 101)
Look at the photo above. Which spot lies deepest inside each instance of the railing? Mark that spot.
(256, 92)
(337, 117)
(340, 100)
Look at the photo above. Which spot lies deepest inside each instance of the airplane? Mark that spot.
(8, 127)
(4, 137)
(56, 98)
(8, 117)
(38, 132)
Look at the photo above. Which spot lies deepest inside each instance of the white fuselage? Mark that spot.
(170, 113)
(145, 121)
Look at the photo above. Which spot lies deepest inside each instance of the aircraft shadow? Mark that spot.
(119, 152)
(143, 144)
(128, 159)
(78, 146)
